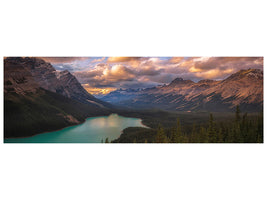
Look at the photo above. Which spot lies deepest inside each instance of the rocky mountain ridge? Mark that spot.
(38, 99)
(244, 88)
(38, 73)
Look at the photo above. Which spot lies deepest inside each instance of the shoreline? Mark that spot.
(56, 129)
(144, 124)
(73, 126)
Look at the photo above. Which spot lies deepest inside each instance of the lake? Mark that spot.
(93, 130)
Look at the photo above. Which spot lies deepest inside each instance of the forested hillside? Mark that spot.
(236, 128)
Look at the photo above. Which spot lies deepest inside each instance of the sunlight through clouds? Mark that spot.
(104, 74)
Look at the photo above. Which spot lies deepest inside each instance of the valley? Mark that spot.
(38, 98)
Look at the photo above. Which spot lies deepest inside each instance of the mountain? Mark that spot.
(37, 98)
(244, 88)
(71, 88)
(120, 95)
(48, 78)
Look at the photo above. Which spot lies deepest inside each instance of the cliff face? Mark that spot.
(38, 99)
(71, 88)
(244, 88)
(44, 73)
(38, 73)
(17, 79)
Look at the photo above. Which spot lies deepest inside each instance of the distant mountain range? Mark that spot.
(37, 98)
(244, 88)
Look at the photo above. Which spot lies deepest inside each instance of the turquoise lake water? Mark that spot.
(93, 130)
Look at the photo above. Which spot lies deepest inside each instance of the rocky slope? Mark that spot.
(244, 88)
(121, 95)
(38, 99)
(43, 74)
(17, 79)
(71, 88)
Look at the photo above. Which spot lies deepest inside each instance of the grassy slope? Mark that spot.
(44, 111)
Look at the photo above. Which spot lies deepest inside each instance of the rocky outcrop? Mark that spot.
(17, 79)
(27, 74)
(180, 81)
(38, 99)
(43, 73)
(71, 88)
(244, 88)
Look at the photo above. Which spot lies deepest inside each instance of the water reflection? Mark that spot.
(93, 130)
(100, 122)
(113, 120)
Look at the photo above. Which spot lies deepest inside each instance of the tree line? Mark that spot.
(240, 130)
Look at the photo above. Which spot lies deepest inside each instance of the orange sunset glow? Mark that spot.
(97, 91)
(101, 75)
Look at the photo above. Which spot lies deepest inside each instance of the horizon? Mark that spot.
(102, 75)
(182, 79)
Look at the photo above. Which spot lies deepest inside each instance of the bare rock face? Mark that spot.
(74, 90)
(244, 88)
(37, 99)
(17, 79)
(43, 73)
(27, 74)
(71, 87)
(179, 81)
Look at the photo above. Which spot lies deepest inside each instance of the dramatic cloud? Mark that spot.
(54, 60)
(130, 61)
(176, 59)
(98, 91)
(98, 60)
(104, 74)
(228, 62)
(123, 59)
(220, 67)
(118, 73)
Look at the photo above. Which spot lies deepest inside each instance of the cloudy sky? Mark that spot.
(104, 74)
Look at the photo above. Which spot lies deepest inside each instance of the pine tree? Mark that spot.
(237, 133)
(173, 135)
(179, 136)
(220, 136)
(176, 133)
(195, 137)
(244, 127)
(259, 129)
(237, 114)
(203, 135)
(237, 129)
(106, 141)
(102, 140)
(230, 135)
(161, 137)
(211, 130)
